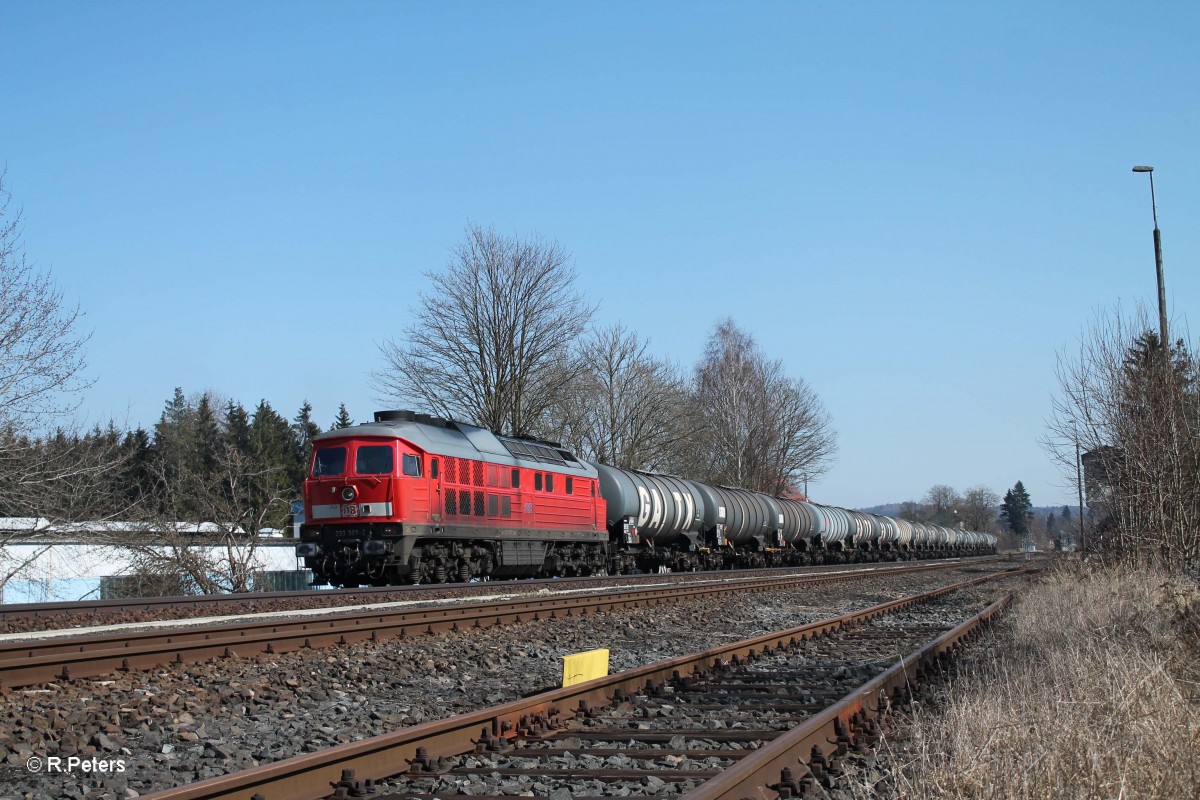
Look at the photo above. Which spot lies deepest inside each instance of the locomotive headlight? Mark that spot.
(349, 493)
(306, 549)
(374, 547)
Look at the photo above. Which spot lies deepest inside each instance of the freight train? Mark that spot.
(411, 498)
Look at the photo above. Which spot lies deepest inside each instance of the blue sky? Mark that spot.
(915, 205)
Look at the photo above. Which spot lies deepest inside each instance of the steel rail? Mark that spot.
(805, 755)
(26, 662)
(14, 611)
(312, 776)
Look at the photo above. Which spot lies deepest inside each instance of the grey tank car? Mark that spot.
(691, 525)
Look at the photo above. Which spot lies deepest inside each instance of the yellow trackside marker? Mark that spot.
(583, 667)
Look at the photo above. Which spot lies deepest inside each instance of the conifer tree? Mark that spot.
(274, 459)
(237, 428)
(343, 418)
(175, 452)
(171, 434)
(304, 430)
(138, 473)
(207, 437)
(272, 437)
(1014, 511)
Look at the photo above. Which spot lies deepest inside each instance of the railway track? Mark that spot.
(763, 717)
(31, 661)
(36, 616)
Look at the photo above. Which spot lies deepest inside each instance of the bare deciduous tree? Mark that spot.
(492, 339)
(63, 478)
(42, 475)
(205, 535)
(978, 509)
(942, 502)
(627, 407)
(761, 430)
(1134, 411)
(913, 512)
(41, 347)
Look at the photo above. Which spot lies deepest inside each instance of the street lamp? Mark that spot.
(1162, 289)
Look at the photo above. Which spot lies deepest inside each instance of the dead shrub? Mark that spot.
(1085, 690)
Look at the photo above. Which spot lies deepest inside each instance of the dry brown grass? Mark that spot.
(1088, 689)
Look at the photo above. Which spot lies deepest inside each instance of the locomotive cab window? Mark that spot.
(516, 479)
(411, 465)
(537, 481)
(433, 467)
(549, 482)
(570, 485)
(374, 459)
(329, 461)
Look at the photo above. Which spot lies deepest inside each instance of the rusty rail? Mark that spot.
(801, 756)
(311, 776)
(26, 662)
(135, 604)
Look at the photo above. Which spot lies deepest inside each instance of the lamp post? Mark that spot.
(1162, 289)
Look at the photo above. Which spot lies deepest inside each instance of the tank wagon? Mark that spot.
(414, 498)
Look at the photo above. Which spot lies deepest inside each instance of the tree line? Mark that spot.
(1012, 518)
(503, 339)
(207, 467)
(204, 459)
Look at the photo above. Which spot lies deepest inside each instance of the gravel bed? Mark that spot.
(233, 607)
(172, 727)
(823, 671)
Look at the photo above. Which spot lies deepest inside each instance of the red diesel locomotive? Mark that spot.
(414, 498)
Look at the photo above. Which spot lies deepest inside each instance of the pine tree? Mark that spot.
(172, 434)
(207, 437)
(175, 453)
(343, 418)
(272, 437)
(304, 430)
(136, 454)
(274, 457)
(1014, 511)
(237, 428)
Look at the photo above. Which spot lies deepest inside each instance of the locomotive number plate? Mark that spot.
(349, 510)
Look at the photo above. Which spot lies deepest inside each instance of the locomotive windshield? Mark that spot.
(374, 459)
(329, 461)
